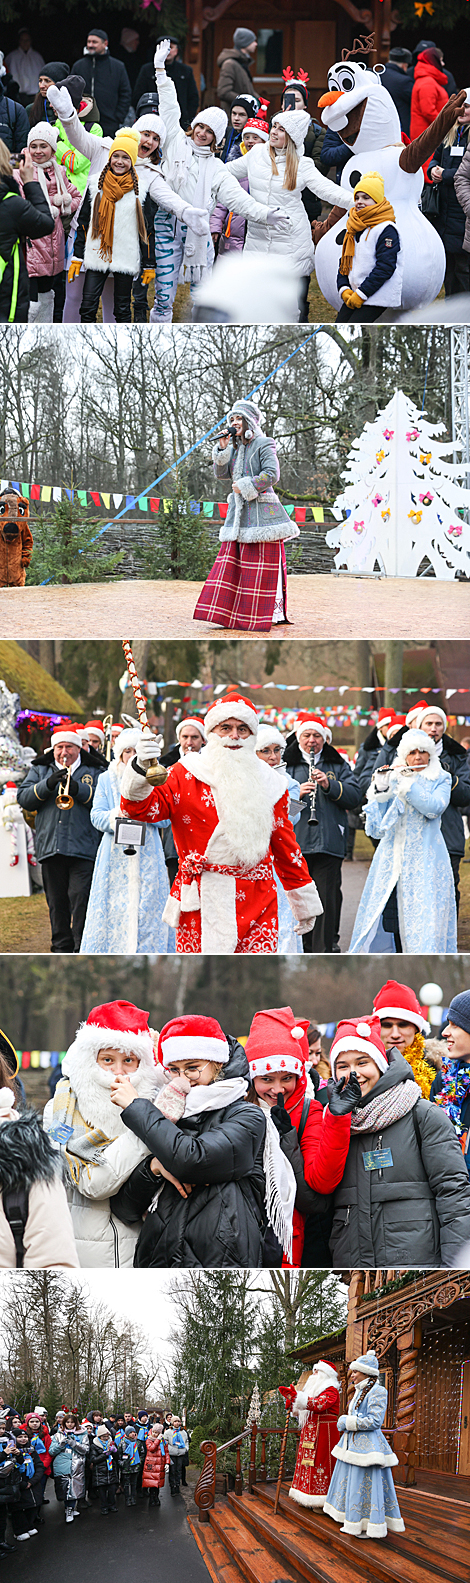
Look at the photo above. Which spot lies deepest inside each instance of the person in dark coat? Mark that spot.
(234, 68)
(324, 843)
(334, 153)
(451, 220)
(106, 80)
(432, 720)
(398, 80)
(66, 840)
(181, 75)
(404, 1199)
(19, 218)
(205, 1164)
(14, 124)
(451, 1086)
(104, 1469)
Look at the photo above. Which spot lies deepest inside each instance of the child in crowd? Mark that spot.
(370, 273)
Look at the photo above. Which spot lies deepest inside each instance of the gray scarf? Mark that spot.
(386, 1108)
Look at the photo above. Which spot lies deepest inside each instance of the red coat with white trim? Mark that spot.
(239, 908)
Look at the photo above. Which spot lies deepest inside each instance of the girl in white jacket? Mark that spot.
(192, 169)
(278, 172)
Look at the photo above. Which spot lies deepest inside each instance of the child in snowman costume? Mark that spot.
(370, 274)
(362, 1495)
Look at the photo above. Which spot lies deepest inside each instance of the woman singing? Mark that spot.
(246, 587)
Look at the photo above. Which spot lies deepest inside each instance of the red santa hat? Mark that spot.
(411, 719)
(191, 720)
(397, 723)
(235, 705)
(306, 719)
(67, 734)
(192, 1039)
(360, 1033)
(397, 1000)
(96, 727)
(385, 717)
(277, 1042)
(118, 1025)
(431, 709)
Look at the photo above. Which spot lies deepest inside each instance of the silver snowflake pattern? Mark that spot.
(207, 798)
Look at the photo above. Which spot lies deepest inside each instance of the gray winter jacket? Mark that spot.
(415, 1212)
(258, 515)
(66, 831)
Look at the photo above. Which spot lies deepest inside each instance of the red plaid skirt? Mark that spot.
(240, 590)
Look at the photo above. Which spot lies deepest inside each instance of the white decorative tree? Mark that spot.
(254, 1410)
(403, 499)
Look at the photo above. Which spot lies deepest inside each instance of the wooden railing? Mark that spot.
(204, 1493)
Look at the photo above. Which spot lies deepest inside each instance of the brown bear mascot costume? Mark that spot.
(16, 539)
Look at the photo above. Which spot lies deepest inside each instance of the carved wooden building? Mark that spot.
(419, 1326)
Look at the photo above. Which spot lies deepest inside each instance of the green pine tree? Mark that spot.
(64, 551)
(183, 548)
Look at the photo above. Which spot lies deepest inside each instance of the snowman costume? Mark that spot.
(363, 113)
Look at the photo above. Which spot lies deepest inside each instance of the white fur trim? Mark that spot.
(225, 709)
(351, 1042)
(365, 1459)
(308, 725)
(90, 1039)
(190, 720)
(134, 787)
(306, 1500)
(287, 1063)
(305, 904)
(190, 900)
(219, 933)
(432, 709)
(125, 258)
(128, 738)
(71, 737)
(247, 488)
(190, 1047)
(404, 1015)
(172, 912)
(350, 1421)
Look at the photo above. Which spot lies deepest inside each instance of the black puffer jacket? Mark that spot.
(14, 124)
(413, 1212)
(450, 222)
(399, 85)
(19, 218)
(220, 1152)
(453, 759)
(331, 833)
(100, 1473)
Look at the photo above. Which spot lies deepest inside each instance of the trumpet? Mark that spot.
(312, 819)
(63, 799)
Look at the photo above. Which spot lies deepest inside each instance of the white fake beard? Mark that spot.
(242, 803)
(93, 1091)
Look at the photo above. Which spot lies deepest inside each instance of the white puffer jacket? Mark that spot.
(268, 189)
(181, 164)
(103, 1241)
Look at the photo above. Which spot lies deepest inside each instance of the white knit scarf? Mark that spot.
(281, 1186)
(62, 203)
(198, 251)
(386, 1108)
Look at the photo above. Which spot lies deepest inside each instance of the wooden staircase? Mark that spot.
(244, 1542)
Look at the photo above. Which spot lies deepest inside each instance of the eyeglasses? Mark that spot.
(188, 1071)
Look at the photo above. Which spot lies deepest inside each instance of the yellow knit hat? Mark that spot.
(125, 142)
(372, 184)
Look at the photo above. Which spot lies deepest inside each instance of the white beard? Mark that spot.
(243, 806)
(314, 1386)
(92, 1087)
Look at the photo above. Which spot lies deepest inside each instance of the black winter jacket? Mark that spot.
(19, 218)
(185, 83)
(414, 1212)
(14, 124)
(331, 833)
(220, 1152)
(108, 83)
(67, 831)
(99, 1465)
(453, 759)
(399, 85)
(450, 222)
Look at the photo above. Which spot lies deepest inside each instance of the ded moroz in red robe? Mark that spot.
(216, 905)
(318, 1414)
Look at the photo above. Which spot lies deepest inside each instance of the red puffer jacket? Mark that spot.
(324, 1146)
(430, 94)
(46, 255)
(153, 1476)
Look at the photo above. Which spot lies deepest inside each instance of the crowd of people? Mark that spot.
(90, 1458)
(246, 831)
(119, 179)
(191, 1148)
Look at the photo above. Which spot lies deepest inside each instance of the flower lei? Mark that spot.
(422, 1072)
(455, 1089)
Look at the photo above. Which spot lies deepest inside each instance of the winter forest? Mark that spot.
(60, 1344)
(72, 406)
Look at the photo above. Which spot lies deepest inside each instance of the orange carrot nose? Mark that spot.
(329, 98)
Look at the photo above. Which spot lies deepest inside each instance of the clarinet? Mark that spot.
(312, 819)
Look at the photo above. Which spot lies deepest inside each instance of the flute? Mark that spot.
(155, 773)
(312, 819)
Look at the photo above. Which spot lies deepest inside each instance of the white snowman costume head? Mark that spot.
(358, 108)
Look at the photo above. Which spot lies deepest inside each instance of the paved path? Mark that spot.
(132, 1545)
(319, 607)
(354, 877)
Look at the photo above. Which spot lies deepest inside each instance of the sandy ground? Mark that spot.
(319, 607)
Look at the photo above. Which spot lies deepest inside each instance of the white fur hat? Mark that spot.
(296, 123)
(267, 735)
(410, 742)
(45, 134)
(116, 1026)
(214, 117)
(128, 738)
(150, 123)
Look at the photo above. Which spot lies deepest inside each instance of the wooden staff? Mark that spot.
(282, 1460)
(155, 773)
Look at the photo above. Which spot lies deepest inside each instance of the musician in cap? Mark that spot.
(328, 789)
(66, 842)
(230, 821)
